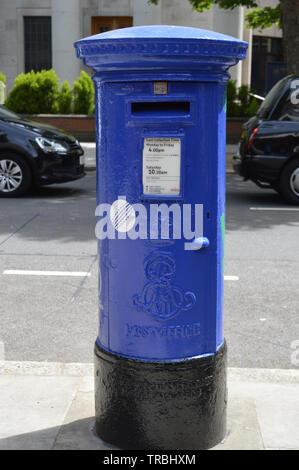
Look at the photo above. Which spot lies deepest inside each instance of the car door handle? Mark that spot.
(197, 244)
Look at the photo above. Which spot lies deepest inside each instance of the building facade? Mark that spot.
(39, 34)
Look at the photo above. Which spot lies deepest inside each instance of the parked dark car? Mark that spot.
(35, 154)
(268, 152)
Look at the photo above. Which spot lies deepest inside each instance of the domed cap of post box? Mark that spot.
(160, 47)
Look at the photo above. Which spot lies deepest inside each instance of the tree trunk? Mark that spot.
(290, 28)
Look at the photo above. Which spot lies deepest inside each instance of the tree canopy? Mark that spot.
(285, 15)
(257, 18)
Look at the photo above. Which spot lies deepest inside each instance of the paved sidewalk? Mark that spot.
(50, 406)
(90, 155)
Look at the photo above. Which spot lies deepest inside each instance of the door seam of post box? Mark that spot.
(107, 250)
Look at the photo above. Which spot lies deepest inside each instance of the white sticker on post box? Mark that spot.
(161, 166)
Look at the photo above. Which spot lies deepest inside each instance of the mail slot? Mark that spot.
(160, 354)
(161, 108)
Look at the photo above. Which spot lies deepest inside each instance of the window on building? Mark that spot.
(37, 43)
(267, 63)
(101, 24)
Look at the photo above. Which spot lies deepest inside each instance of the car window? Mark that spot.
(288, 107)
(5, 113)
(271, 98)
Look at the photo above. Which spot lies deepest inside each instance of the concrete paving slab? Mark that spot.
(32, 408)
(278, 414)
(285, 376)
(277, 408)
(243, 431)
(51, 406)
(76, 369)
(31, 368)
(77, 430)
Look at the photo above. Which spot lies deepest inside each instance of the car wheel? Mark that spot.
(289, 182)
(15, 175)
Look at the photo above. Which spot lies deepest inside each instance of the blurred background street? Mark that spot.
(54, 318)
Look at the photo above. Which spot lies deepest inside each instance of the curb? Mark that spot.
(71, 369)
(81, 369)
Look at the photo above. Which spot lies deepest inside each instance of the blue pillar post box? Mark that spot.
(160, 356)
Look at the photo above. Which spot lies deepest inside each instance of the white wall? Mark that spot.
(8, 40)
(181, 13)
(65, 31)
(145, 14)
(12, 33)
(230, 22)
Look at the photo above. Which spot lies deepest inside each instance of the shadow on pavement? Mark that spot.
(46, 192)
(76, 435)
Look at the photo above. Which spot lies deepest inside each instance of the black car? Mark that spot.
(35, 154)
(268, 152)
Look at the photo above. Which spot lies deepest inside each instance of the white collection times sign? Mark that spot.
(161, 166)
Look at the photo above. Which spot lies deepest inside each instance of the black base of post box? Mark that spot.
(177, 405)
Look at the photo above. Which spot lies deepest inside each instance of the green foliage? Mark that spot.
(83, 94)
(2, 88)
(262, 18)
(65, 99)
(244, 100)
(253, 107)
(258, 18)
(239, 101)
(34, 92)
(39, 93)
(232, 96)
(202, 5)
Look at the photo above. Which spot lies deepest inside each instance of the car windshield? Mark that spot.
(5, 113)
(271, 98)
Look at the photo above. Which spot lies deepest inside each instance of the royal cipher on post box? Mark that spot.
(160, 355)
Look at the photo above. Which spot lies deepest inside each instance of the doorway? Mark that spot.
(101, 24)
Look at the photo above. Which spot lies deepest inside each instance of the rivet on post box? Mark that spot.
(160, 355)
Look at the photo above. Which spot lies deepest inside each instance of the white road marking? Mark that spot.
(22, 272)
(231, 278)
(274, 208)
